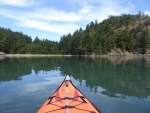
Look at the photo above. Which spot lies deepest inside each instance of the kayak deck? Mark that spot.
(68, 99)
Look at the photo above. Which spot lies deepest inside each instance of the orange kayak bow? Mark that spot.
(67, 99)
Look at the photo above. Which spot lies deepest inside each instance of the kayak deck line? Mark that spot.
(68, 99)
(67, 111)
(73, 98)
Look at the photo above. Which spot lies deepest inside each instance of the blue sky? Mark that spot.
(50, 19)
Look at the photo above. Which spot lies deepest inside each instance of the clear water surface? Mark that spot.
(114, 85)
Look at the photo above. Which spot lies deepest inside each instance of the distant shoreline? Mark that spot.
(59, 55)
(35, 55)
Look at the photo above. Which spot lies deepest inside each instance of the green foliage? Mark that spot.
(127, 32)
(15, 42)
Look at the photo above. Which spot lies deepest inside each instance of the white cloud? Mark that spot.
(60, 28)
(9, 14)
(54, 15)
(63, 21)
(88, 12)
(19, 3)
(100, 9)
(147, 12)
(42, 22)
(85, 9)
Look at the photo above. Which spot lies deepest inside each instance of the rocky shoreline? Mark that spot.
(118, 52)
(34, 55)
(2, 53)
(114, 53)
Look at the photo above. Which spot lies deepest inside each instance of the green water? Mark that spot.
(114, 85)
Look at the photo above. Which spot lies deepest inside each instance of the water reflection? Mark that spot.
(15, 68)
(117, 77)
(129, 78)
(2, 57)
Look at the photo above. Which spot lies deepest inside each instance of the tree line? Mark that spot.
(127, 32)
(19, 43)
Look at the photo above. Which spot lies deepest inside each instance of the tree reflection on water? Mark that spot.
(117, 76)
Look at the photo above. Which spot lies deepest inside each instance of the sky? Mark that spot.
(51, 19)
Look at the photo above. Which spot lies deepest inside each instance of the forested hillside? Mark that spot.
(125, 32)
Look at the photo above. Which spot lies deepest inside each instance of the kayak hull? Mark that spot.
(68, 99)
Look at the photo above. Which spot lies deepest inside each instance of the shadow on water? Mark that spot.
(118, 76)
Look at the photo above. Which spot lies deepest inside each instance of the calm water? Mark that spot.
(114, 85)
